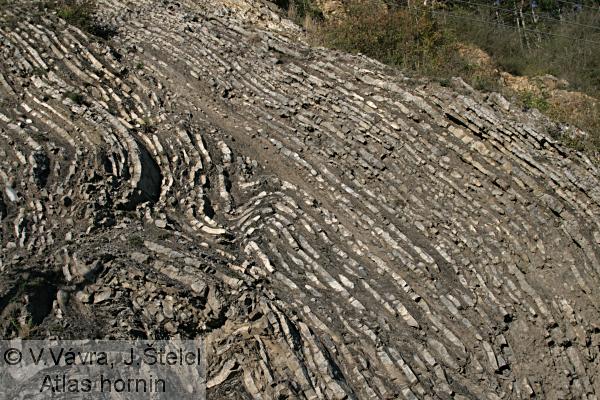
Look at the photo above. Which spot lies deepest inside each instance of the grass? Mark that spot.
(532, 100)
(75, 97)
(567, 50)
(301, 11)
(21, 331)
(411, 39)
(403, 38)
(587, 117)
(80, 13)
(564, 50)
(426, 42)
(77, 13)
(135, 241)
(147, 126)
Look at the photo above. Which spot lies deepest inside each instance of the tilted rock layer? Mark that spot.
(332, 228)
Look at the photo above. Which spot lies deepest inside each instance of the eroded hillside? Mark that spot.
(334, 229)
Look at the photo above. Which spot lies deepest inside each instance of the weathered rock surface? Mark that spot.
(334, 229)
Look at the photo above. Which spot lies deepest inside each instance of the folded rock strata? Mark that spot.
(334, 229)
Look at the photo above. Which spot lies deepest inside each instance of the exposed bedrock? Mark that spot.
(334, 229)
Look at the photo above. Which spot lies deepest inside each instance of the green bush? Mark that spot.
(80, 13)
(531, 100)
(75, 97)
(77, 13)
(135, 241)
(299, 10)
(411, 39)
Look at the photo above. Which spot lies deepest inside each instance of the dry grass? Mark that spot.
(427, 43)
(567, 50)
(410, 39)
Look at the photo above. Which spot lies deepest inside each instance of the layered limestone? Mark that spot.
(334, 229)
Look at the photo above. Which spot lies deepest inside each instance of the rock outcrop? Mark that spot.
(334, 229)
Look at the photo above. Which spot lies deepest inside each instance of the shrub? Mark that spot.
(80, 13)
(135, 241)
(75, 97)
(300, 10)
(407, 38)
(586, 117)
(427, 41)
(532, 100)
(568, 49)
(77, 13)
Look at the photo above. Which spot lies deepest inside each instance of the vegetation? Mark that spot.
(301, 10)
(75, 97)
(532, 100)
(533, 38)
(147, 126)
(135, 241)
(80, 13)
(567, 49)
(409, 39)
(586, 117)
